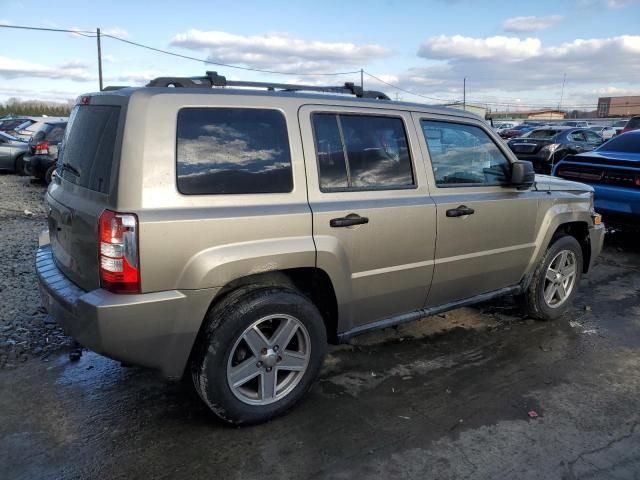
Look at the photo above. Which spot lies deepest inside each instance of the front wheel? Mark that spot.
(555, 280)
(260, 353)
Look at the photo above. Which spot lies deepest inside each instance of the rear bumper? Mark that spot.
(154, 330)
(596, 241)
(37, 165)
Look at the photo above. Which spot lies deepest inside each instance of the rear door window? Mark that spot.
(232, 151)
(362, 152)
(87, 156)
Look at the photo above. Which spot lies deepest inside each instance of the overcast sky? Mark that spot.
(511, 52)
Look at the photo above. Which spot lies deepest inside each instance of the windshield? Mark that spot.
(7, 138)
(624, 143)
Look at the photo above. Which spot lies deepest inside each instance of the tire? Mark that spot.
(224, 347)
(541, 301)
(49, 174)
(20, 166)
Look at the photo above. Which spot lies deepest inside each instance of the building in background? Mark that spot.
(530, 115)
(619, 106)
(479, 110)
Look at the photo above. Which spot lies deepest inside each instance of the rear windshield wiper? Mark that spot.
(71, 168)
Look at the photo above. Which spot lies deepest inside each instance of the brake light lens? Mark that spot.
(42, 148)
(118, 254)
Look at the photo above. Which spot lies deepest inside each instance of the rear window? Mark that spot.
(87, 155)
(634, 123)
(542, 133)
(232, 151)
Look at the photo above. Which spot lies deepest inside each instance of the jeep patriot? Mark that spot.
(231, 233)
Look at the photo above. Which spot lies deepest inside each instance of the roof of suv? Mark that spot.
(211, 83)
(298, 95)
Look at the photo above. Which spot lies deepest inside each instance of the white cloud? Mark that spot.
(509, 67)
(116, 32)
(279, 51)
(458, 46)
(530, 24)
(11, 68)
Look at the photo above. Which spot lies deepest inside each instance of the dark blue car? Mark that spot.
(613, 169)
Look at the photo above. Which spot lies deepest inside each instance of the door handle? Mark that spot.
(461, 211)
(348, 221)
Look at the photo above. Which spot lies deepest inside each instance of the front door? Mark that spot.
(486, 228)
(373, 219)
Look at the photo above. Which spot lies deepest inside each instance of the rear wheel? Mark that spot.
(260, 353)
(20, 166)
(49, 174)
(555, 280)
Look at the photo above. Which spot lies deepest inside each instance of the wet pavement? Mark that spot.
(447, 397)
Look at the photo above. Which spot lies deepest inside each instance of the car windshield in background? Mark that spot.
(87, 156)
(546, 133)
(624, 143)
(7, 138)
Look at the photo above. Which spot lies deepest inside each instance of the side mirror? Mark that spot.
(522, 174)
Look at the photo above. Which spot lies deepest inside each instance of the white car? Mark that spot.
(606, 133)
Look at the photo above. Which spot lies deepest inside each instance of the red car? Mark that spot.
(632, 124)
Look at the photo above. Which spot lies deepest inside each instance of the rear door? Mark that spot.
(486, 228)
(373, 219)
(83, 188)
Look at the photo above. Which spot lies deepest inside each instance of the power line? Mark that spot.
(174, 54)
(187, 57)
(404, 90)
(84, 33)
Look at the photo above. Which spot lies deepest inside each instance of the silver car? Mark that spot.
(12, 153)
(229, 234)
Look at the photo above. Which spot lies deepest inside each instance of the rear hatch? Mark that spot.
(87, 170)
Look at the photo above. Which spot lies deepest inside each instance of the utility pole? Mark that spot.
(99, 58)
(362, 79)
(464, 93)
(564, 78)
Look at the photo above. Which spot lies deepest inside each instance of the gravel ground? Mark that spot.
(25, 330)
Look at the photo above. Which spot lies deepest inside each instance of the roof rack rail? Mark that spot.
(212, 79)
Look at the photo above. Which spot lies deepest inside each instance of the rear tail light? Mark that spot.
(42, 148)
(118, 255)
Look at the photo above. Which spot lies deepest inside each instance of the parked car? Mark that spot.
(632, 124)
(13, 124)
(547, 145)
(613, 170)
(516, 131)
(40, 161)
(576, 123)
(618, 125)
(12, 153)
(230, 233)
(27, 132)
(607, 133)
(502, 126)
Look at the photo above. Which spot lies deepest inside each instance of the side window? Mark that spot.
(464, 155)
(576, 137)
(232, 151)
(362, 152)
(329, 150)
(593, 137)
